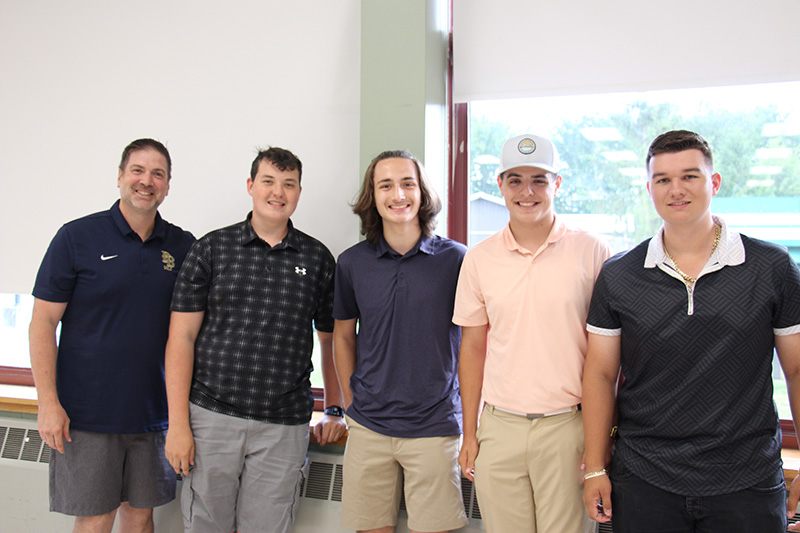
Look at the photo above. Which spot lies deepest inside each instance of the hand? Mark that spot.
(329, 429)
(53, 425)
(597, 498)
(466, 457)
(791, 503)
(179, 450)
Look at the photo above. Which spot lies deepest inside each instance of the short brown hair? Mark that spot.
(364, 206)
(283, 159)
(678, 141)
(145, 144)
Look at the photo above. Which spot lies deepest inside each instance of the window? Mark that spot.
(602, 139)
(15, 316)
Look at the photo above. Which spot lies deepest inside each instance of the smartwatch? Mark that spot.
(334, 410)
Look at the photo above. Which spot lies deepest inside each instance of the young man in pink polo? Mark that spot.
(522, 299)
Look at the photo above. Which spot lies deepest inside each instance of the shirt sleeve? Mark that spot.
(787, 314)
(470, 307)
(57, 276)
(602, 319)
(194, 280)
(345, 306)
(602, 253)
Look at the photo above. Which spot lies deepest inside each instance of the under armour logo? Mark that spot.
(301, 271)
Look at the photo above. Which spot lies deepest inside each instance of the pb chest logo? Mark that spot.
(168, 260)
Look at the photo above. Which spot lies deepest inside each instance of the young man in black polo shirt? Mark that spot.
(239, 358)
(691, 318)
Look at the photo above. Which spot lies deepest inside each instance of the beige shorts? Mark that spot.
(375, 467)
(528, 473)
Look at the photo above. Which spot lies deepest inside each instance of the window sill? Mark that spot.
(791, 463)
(22, 399)
(18, 399)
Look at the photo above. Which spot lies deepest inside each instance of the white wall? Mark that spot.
(212, 80)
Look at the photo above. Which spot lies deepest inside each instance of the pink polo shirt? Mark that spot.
(535, 305)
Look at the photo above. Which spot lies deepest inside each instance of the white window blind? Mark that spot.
(515, 48)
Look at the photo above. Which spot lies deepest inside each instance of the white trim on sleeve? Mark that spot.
(791, 330)
(602, 331)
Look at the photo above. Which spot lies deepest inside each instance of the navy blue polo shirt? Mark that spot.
(696, 414)
(110, 365)
(405, 382)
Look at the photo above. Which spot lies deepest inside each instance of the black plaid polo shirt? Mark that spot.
(253, 353)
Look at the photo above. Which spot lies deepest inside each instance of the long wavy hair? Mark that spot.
(364, 206)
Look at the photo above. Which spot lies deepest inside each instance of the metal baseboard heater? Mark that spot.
(321, 493)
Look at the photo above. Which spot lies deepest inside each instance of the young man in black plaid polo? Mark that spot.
(238, 360)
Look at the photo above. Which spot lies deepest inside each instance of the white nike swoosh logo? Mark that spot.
(107, 257)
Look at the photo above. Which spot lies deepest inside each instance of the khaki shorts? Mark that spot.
(375, 467)
(99, 471)
(528, 473)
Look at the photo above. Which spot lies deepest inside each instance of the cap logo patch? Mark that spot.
(526, 146)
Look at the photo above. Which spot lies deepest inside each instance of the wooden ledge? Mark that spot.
(22, 399)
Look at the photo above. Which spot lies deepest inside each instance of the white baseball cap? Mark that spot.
(529, 150)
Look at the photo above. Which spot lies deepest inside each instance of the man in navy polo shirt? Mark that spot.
(691, 318)
(108, 279)
(397, 355)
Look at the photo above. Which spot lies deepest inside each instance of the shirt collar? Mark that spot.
(424, 244)
(558, 230)
(292, 239)
(159, 228)
(729, 252)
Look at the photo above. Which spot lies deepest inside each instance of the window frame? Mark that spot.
(12, 375)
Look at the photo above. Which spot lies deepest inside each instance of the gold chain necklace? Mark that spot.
(684, 275)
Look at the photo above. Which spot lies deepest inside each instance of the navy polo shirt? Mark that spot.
(110, 365)
(696, 414)
(405, 382)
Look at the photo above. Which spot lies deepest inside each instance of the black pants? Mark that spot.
(639, 507)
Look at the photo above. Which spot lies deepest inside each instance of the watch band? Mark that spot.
(334, 410)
